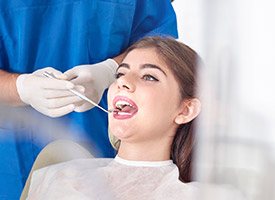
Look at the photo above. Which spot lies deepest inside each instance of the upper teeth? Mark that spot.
(121, 104)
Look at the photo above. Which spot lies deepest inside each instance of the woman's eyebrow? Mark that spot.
(123, 65)
(153, 66)
(147, 65)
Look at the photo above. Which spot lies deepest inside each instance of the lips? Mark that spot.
(125, 108)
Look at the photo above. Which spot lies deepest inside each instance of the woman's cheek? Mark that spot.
(110, 95)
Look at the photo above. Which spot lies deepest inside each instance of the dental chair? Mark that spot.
(55, 152)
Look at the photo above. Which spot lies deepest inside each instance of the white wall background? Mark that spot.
(189, 18)
(236, 39)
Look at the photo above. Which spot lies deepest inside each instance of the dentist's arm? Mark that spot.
(8, 91)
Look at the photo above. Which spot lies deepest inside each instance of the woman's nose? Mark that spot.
(126, 82)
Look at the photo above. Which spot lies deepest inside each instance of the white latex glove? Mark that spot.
(95, 79)
(47, 95)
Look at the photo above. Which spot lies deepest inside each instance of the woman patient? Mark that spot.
(155, 104)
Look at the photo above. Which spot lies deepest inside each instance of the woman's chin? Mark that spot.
(121, 133)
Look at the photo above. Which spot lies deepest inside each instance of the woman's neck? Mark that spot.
(145, 151)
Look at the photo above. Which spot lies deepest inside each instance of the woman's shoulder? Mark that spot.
(177, 190)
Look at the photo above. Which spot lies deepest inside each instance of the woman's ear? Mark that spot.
(189, 110)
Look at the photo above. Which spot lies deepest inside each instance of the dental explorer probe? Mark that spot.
(51, 75)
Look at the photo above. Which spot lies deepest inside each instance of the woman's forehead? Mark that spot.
(141, 56)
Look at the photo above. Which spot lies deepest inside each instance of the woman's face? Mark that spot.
(147, 96)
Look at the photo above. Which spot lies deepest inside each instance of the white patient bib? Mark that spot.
(110, 179)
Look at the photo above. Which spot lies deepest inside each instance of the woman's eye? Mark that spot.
(118, 75)
(148, 77)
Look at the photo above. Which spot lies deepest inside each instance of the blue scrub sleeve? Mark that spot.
(154, 17)
(3, 56)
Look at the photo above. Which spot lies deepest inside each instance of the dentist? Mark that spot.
(83, 38)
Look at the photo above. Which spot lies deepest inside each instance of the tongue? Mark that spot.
(127, 109)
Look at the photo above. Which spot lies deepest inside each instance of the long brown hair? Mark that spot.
(183, 63)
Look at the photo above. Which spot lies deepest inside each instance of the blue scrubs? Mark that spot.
(63, 33)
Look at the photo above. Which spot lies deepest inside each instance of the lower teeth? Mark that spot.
(124, 113)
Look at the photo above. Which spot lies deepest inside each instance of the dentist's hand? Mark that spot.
(47, 95)
(95, 79)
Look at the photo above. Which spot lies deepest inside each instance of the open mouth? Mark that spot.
(124, 107)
